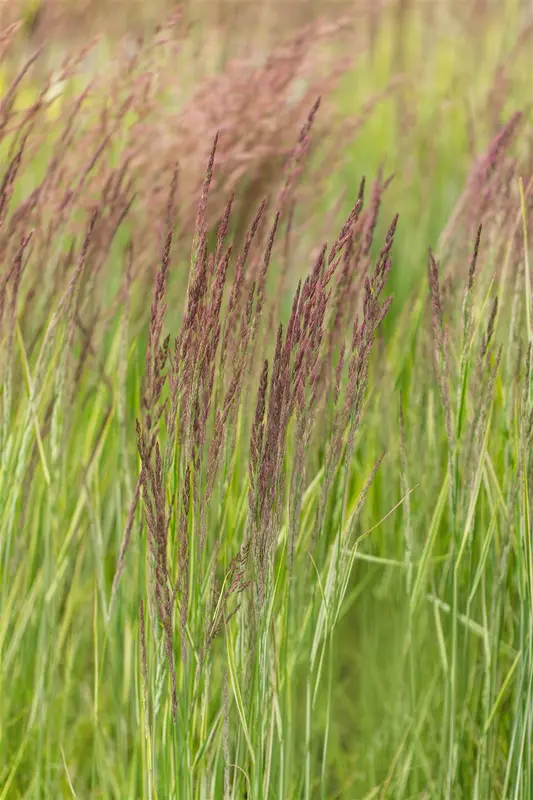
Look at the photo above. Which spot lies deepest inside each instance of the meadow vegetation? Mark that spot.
(266, 408)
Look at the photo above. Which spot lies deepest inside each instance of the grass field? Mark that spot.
(266, 407)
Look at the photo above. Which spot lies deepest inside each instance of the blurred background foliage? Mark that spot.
(427, 82)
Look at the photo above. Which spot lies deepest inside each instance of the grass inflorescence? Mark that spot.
(264, 500)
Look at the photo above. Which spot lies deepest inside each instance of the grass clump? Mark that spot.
(264, 531)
